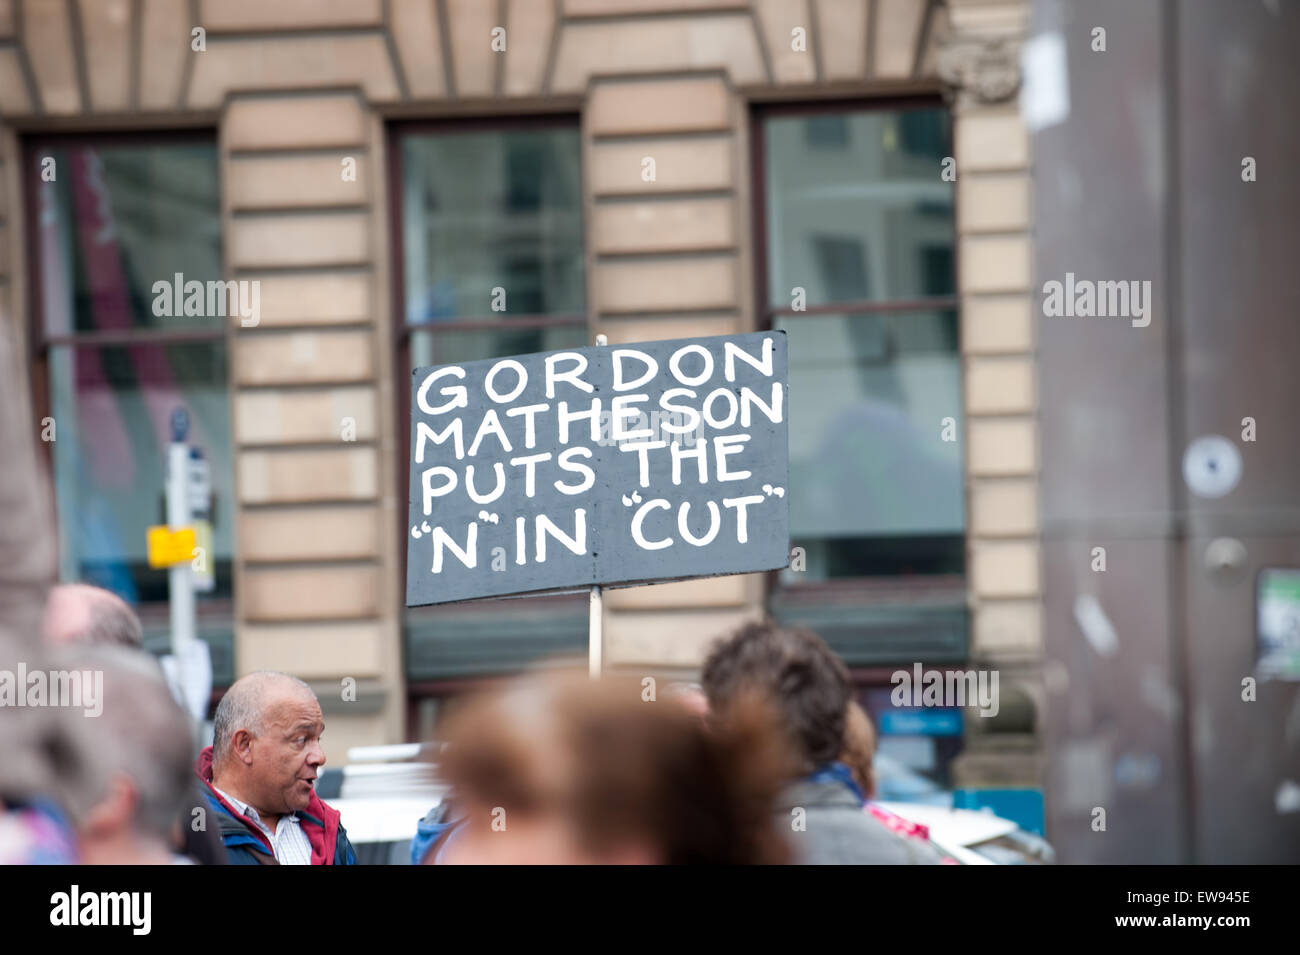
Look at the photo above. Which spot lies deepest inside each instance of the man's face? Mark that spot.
(287, 755)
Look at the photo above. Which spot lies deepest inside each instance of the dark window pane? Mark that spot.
(118, 219)
(874, 488)
(937, 270)
(488, 210)
(923, 132)
(111, 406)
(832, 557)
(455, 640)
(862, 221)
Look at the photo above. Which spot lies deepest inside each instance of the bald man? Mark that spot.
(82, 614)
(260, 773)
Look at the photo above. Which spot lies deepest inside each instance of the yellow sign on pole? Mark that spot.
(169, 547)
(204, 576)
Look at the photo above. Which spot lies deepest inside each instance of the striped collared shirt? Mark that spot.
(289, 843)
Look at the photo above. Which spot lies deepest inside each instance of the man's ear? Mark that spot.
(242, 746)
(112, 813)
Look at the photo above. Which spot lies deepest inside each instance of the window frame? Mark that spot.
(396, 131)
(212, 611)
(860, 590)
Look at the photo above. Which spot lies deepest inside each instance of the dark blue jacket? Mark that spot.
(246, 844)
(430, 830)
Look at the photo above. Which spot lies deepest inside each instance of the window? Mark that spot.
(855, 263)
(859, 237)
(110, 219)
(490, 224)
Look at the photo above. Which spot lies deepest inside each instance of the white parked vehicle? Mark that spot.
(381, 795)
(976, 837)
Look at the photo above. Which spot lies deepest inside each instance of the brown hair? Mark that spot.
(797, 672)
(622, 769)
(859, 748)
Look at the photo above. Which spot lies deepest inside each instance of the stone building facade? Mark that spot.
(289, 90)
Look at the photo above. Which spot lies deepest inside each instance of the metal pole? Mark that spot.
(179, 586)
(595, 633)
(595, 610)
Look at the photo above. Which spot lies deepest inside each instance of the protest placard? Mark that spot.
(598, 466)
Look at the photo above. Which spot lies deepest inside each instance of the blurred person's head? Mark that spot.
(82, 614)
(691, 696)
(560, 769)
(44, 751)
(797, 673)
(266, 747)
(859, 748)
(141, 754)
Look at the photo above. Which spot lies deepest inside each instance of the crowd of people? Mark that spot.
(767, 761)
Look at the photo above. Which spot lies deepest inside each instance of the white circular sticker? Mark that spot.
(1211, 466)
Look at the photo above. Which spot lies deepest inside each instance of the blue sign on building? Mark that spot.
(921, 721)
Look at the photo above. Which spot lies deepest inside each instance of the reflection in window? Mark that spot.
(112, 406)
(827, 132)
(873, 488)
(492, 257)
(492, 210)
(887, 199)
(115, 220)
(841, 266)
(867, 231)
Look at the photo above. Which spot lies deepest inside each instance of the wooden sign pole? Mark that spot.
(594, 633)
(595, 610)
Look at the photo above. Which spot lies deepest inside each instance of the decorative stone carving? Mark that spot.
(981, 69)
